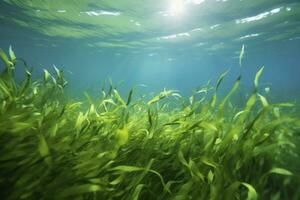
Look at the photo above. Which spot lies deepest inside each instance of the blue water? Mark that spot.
(162, 44)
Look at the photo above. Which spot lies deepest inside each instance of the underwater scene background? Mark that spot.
(161, 99)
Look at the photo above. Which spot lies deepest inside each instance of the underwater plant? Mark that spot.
(52, 147)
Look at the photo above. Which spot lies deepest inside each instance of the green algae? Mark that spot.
(131, 148)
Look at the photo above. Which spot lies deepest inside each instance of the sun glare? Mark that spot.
(177, 7)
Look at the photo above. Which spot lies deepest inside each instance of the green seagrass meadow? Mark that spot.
(143, 147)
